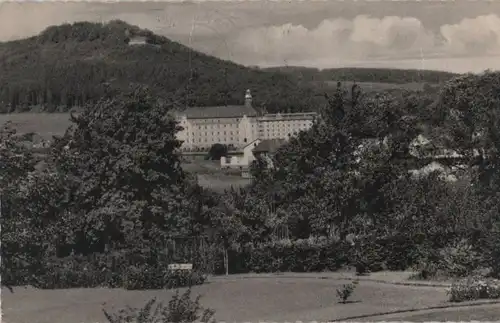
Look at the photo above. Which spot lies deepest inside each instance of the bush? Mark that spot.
(110, 271)
(346, 291)
(73, 272)
(303, 255)
(474, 288)
(458, 260)
(179, 309)
(490, 251)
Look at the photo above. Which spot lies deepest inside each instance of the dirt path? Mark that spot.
(485, 312)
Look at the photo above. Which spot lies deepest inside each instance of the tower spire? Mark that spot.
(248, 98)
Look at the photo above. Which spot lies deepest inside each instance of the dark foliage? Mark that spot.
(111, 270)
(180, 309)
(217, 151)
(289, 256)
(386, 75)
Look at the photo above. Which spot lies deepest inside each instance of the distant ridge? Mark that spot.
(361, 74)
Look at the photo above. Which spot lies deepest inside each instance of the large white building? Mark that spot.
(237, 126)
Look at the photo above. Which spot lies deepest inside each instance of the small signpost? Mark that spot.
(180, 267)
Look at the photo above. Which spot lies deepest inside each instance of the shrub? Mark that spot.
(180, 309)
(474, 288)
(367, 256)
(110, 271)
(346, 291)
(490, 252)
(303, 255)
(458, 260)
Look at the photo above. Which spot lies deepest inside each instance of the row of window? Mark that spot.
(267, 125)
(219, 140)
(213, 133)
(211, 120)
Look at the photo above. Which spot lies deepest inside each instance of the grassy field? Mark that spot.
(267, 299)
(222, 182)
(45, 124)
(380, 86)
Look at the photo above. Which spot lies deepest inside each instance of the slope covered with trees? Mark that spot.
(348, 74)
(69, 65)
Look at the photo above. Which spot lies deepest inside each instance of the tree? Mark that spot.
(217, 151)
(130, 190)
(20, 248)
(225, 218)
(469, 123)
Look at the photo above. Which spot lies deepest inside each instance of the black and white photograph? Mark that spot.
(249, 161)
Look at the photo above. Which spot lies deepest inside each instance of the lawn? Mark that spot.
(380, 86)
(221, 182)
(266, 299)
(45, 124)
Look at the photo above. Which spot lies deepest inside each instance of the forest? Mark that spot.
(67, 66)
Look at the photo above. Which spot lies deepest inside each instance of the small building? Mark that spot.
(137, 40)
(241, 159)
(268, 147)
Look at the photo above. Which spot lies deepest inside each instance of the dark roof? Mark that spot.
(269, 145)
(230, 111)
(250, 143)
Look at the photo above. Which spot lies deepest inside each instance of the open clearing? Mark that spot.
(44, 124)
(381, 86)
(266, 299)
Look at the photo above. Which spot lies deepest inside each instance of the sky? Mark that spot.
(458, 36)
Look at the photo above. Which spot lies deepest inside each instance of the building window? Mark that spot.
(245, 140)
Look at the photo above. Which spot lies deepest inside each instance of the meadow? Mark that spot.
(249, 299)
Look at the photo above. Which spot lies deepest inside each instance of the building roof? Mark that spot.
(252, 143)
(269, 145)
(230, 111)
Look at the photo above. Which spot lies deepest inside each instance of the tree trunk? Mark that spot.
(226, 261)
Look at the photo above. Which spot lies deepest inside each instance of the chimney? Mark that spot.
(248, 99)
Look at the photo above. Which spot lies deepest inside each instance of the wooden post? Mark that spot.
(226, 261)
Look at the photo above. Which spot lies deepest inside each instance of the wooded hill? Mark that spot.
(69, 65)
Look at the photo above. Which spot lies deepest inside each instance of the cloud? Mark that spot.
(477, 35)
(22, 19)
(365, 37)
